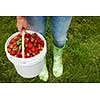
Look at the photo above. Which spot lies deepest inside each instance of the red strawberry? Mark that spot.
(39, 40)
(8, 49)
(36, 51)
(19, 35)
(26, 50)
(13, 41)
(26, 45)
(33, 53)
(29, 45)
(25, 56)
(34, 35)
(16, 38)
(32, 39)
(15, 47)
(27, 35)
(11, 46)
(39, 46)
(33, 49)
(31, 56)
(26, 40)
(35, 43)
(42, 43)
(12, 53)
(28, 54)
(19, 54)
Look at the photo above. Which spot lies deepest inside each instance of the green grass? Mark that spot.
(81, 57)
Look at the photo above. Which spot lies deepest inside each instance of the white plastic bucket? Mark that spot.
(28, 67)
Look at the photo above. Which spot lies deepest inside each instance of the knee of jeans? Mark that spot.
(59, 44)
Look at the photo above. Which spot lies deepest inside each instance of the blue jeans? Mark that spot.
(59, 27)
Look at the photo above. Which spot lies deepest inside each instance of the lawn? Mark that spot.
(81, 56)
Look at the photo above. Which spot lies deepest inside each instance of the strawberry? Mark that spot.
(36, 51)
(15, 38)
(25, 56)
(26, 40)
(15, 48)
(28, 54)
(27, 35)
(33, 53)
(39, 46)
(35, 35)
(11, 46)
(29, 45)
(42, 43)
(38, 40)
(35, 43)
(26, 50)
(33, 49)
(12, 53)
(12, 41)
(32, 39)
(19, 54)
(26, 45)
(19, 35)
(31, 56)
(8, 49)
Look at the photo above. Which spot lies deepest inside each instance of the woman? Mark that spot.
(59, 27)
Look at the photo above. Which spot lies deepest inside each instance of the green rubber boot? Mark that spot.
(44, 74)
(57, 61)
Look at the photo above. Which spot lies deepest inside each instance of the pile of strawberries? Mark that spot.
(33, 45)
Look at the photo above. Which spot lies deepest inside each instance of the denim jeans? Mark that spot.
(59, 27)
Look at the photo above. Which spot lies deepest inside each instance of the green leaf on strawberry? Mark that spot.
(19, 41)
(19, 48)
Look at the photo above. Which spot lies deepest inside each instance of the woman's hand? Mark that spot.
(22, 23)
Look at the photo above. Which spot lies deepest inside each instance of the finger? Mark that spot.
(26, 26)
(19, 27)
